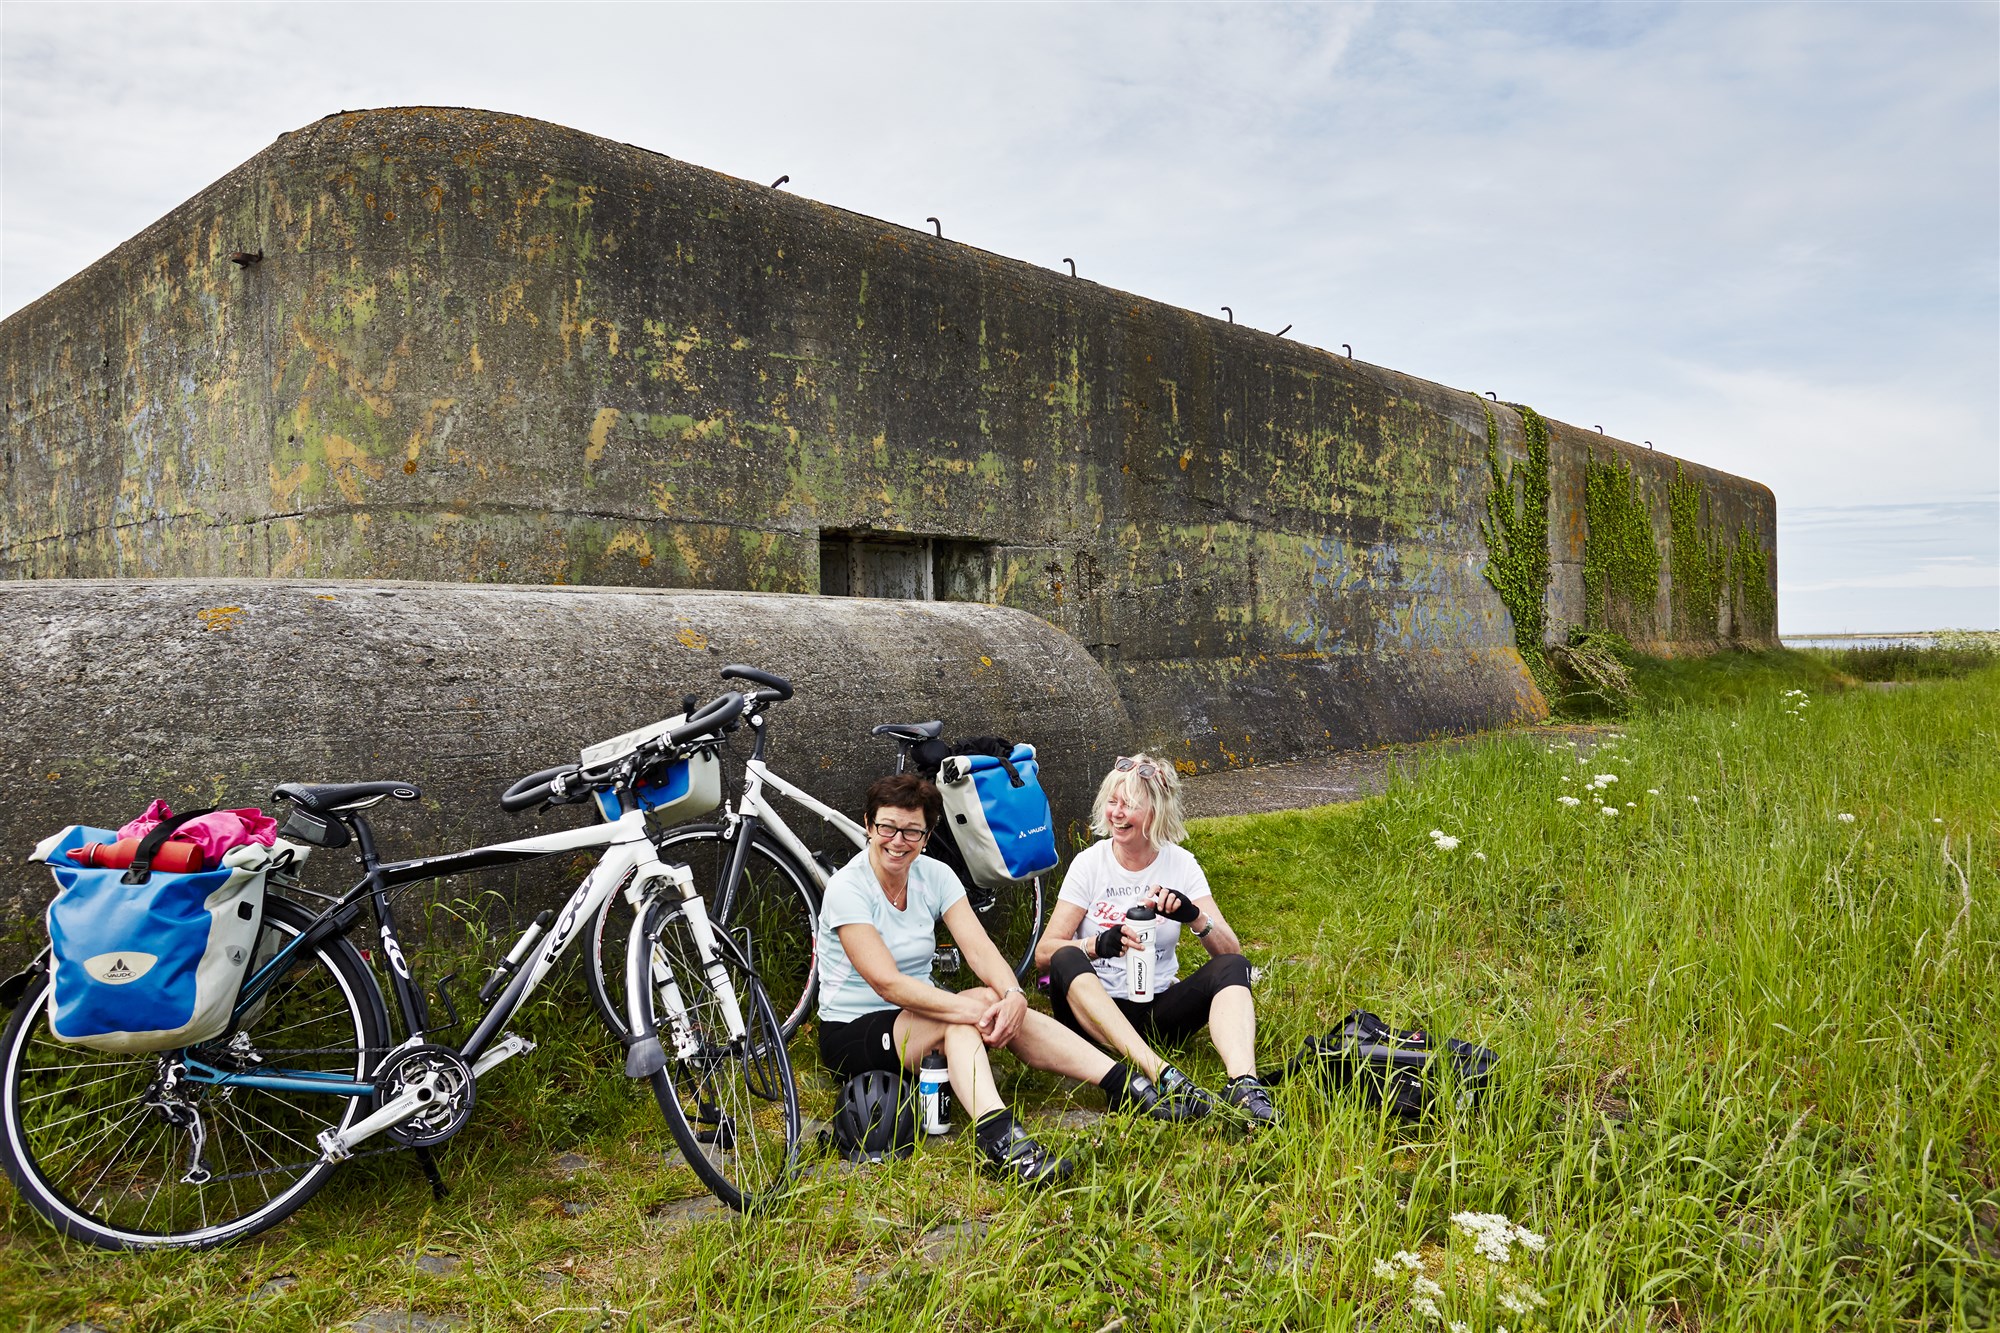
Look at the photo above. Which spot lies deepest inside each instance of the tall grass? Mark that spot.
(1748, 1056)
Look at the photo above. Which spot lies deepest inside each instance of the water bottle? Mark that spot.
(1139, 962)
(934, 1094)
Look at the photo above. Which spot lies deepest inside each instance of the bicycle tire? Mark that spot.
(260, 1143)
(1012, 917)
(732, 1106)
(778, 902)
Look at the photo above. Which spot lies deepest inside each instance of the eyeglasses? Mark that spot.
(897, 833)
(1143, 769)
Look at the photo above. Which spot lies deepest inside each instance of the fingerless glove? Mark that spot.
(1110, 943)
(1183, 911)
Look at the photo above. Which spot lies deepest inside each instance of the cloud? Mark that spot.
(1953, 572)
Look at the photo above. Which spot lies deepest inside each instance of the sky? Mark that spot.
(1764, 237)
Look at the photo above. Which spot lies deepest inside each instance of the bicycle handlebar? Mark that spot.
(532, 790)
(777, 687)
(716, 714)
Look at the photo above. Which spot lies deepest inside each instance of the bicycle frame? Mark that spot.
(630, 860)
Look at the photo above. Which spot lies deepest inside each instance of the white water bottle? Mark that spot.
(1139, 964)
(934, 1094)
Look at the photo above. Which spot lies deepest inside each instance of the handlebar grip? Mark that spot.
(738, 671)
(532, 790)
(716, 714)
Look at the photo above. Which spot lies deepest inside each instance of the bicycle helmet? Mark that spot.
(875, 1119)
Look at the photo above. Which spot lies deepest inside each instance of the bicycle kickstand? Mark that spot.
(431, 1173)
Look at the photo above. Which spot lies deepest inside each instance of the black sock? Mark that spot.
(992, 1128)
(1117, 1084)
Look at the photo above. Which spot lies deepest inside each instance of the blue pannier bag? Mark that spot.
(147, 960)
(998, 815)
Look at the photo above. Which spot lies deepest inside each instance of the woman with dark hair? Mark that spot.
(877, 1006)
(1140, 862)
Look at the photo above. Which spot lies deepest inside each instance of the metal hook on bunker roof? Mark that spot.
(939, 225)
(1282, 332)
(1649, 444)
(1598, 429)
(1231, 313)
(1494, 396)
(1347, 349)
(780, 181)
(1072, 266)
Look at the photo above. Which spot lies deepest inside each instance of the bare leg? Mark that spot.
(964, 1057)
(1106, 1023)
(1232, 1024)
(1043, 1043)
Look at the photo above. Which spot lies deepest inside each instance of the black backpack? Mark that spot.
(1404, 1069)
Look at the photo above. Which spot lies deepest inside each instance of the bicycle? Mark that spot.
(218, 1141)
(765, 881)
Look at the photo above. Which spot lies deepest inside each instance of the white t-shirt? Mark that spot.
(853, 897)
(1104, 890)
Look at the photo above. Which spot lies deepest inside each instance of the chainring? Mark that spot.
(451, 1085)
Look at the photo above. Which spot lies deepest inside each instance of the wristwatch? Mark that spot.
(1201, 931)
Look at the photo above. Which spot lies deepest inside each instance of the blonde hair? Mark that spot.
(1162, 790)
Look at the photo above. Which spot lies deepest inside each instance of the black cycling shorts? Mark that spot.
(1176, 1013)
(869, 1042)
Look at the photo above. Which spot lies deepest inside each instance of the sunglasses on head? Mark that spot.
(1139, 766)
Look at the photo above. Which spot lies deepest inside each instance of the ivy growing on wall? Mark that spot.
(1755, 603)
(1619, 552)
(1713, 575)
(1516, 532)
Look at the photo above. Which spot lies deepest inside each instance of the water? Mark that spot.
(1920, 639)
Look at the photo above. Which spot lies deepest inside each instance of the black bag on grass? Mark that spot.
(1404, 1069)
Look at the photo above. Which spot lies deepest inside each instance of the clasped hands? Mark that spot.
(1001, 1020)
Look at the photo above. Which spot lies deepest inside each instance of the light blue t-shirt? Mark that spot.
(853, 896)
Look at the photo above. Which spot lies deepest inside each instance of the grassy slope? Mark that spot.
(1747, 1081)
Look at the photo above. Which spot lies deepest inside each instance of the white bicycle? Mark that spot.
(217, 1141)
(766, 883)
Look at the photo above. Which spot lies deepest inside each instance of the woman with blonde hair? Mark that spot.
(1139, 860)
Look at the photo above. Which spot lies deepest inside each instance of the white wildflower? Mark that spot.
(1460, 1326)
(1631, 805)
(1513, 1304)
(1565, 777)
(1436, 833)
(1652, 791)
(1479, 856)
(1607, 810)
(1494, 1236)
(1444, 842)
(1567, 800)
(1423, 1286)
(1382, 1268)
(1694, 800)
(1426, 1307)
(1604, 779)
(1845, 818)
(1936, 820)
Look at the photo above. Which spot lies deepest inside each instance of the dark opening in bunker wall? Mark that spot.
(905, 565)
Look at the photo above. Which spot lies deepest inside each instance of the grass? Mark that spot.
(1748, 1056)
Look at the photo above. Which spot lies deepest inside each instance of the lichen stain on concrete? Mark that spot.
(219, 617)
(439, 372)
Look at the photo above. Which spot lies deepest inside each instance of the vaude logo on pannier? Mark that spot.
(1036, 831)
(115, 969)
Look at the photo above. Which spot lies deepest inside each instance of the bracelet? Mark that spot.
(1012, 990)
(1201, 931)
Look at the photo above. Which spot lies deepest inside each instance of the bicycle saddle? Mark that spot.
(325, 798)
(910, 731)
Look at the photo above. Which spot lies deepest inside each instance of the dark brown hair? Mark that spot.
(905, 791)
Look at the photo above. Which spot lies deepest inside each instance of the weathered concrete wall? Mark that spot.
(483, 348)
(213, 692)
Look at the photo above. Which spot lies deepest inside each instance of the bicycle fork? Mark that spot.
(648, 970)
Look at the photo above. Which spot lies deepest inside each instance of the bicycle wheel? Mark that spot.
(111, 1148)
(731, 1104)
(776, 902)
(1013, 920)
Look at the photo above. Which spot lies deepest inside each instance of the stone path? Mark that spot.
(1342, 775)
